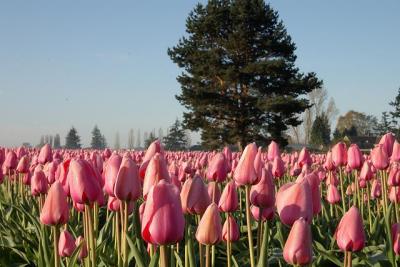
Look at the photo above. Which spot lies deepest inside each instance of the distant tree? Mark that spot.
(97, 139)
(57, 141)
(160, 134)
(357, 124)
(72, 140)
(150, 139)
(104, 141)
(41, 142)
(176, 138)
(385, 125)
(239, 81)
(131, 139)
(117, 143)
(51, 140)
(145, 137)
(395, 121)
(320, 131)
(138, 140)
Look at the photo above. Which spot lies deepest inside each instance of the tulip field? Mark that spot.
(258, 207)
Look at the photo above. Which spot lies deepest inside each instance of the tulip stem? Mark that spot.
(207, 255)
(263, 259)
(228, 242)
(125, 229)
(55, 238)
(369, 208)
(249, 232)
(118, 236)
(163, 256)
(342, 190)
(350, 263)
(92, 248)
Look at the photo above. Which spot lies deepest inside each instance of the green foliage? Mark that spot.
(355, 123)
(176, 139)
(72, 140)
(98, 140)
(320, 131)
(239, 80)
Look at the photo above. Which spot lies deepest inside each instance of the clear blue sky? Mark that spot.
(81, 63)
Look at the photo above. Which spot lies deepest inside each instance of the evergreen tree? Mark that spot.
(57, 141)
(395, 114)
(131, 139)
(72, 140)
(176, 139)
(320, 131)
(117, 143)
(103, 141)
(150, 139)
(240, 83)
(385, 125)
(98, 141)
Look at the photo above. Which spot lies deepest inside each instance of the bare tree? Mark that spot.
(131, 139)
(117, 143)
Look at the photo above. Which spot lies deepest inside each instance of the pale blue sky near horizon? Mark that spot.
(82, 63)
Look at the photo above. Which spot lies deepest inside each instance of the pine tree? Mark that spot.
(131, 139)
(98, 141)
(103, 141)
(239, 81)
(176, 139)
(150, 139)
(320, 131)
(395, 114)
(57, 141)
(72, 140)
(117, 143)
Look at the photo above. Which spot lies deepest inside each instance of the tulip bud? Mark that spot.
(209, 231)
(339, 154)
(66, 244)
(349, 234)
(194, 196)
(245, 173)
(234, 232)
(298, 246)
(217, 168)
(229, 198)
(55, 210)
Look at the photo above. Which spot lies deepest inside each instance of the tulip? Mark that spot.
(396, 238)
(379, 158)
(394, 177)
(258, 163)
(84, 187)
(153, 148)
(304, 158)
(387, 142)
(298, 246)
(84, 250)
(213, 192)
(332, 194)
(45, 154)
(155, 172)
(217, 168)
(278, 167)
(229, 198)
(66, 244)
(376, 189)
(329, 165)
(113, 204)
(366, 173)
(245, 173)
(209, 231)
(23, 164)
(395, 157)
(354, 157)
(38, 183)
(262, 214)
(194, 196)
(110, 173)
(273, 151)
(127, 185)
(313, 181)
(55, 210)
(339, 154)
(262, 194)
(293, 201)
(10, 161)
(163, 222)
(233, 227)
(349, 234)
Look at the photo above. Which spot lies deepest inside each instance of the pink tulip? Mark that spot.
(395, 157)
(213, 192)
(38, 183)
(155, 172)
(366, 173)
(45, 154)
(163, 222)
(329, 165)
(278, 167)
(396, 238)
(293, 201)
(339, 154)
(110, 173)
(394, 176)
(23, 164)
(304, 158)
(245, 173)
(194, 196)
(127, 185)
(83, 184)
(262, 214)
(209, 231)
(376, 189)
(55, 210)
(229, 198)
(298, 246)
(217, 168)
(273, 151)
(313, 181)
(10, 162)
(113, 204)
(332, 194)
(234, 232)
(84, 250)
(66, 244)
(349, 234)
(379, 157)
(387, 142)
(262, 194)
(154, 148)
(354, 157)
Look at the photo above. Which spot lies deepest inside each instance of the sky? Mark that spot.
(81, 63)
